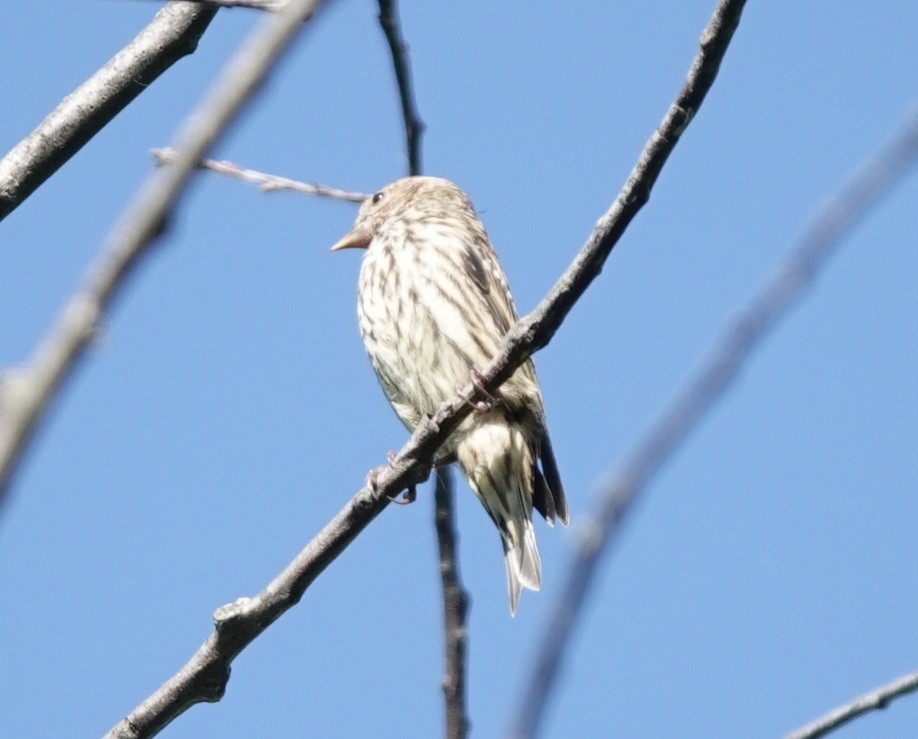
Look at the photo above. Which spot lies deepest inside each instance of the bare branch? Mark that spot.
(25, 392)
(874, 701)
(271, 5)
(414, 126)
(172, 34)
(265, 182)
(204, 676)
(782, 291)
(455, 609)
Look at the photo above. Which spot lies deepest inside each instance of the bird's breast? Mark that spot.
(424, 322)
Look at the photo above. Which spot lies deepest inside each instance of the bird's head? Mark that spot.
(409, 199)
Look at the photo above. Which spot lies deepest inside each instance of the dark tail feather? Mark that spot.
(541, 496)
(548, 493)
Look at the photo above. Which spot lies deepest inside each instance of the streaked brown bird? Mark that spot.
(434, 305)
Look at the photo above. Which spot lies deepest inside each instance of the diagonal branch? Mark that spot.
(26, 392)
(414, 126)
(172, 34)
(875, 700)
(781, 292)
(204, 676)
(265, 182)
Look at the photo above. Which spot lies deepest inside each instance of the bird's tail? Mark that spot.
(498, 461)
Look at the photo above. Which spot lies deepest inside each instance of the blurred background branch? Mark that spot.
(271, 5)
(829, 227)
(25, 392)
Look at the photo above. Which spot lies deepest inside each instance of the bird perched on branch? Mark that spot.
(434, 305)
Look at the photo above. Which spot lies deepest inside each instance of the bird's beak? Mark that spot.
(356, 238)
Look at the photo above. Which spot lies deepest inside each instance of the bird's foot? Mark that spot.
(409, 496)
(429, 420)
(373, 477)
(491, 399)
(478, 406)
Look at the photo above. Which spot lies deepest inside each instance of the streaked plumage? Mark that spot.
(433, 304)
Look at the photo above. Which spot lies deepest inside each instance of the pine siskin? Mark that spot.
(434, 304)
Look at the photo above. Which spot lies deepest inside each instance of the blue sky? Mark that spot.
(227, 410)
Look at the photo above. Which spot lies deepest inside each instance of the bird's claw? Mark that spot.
(491, 399)
(409, 496)
(373, 477)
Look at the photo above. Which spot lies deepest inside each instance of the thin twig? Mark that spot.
(414, 126)
(204, 676)
(784, 289)
(265, 182)
(873, 701)
(455, 598)
(455, 609)
(172, 34)
(26, 392)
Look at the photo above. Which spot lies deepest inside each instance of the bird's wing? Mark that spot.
(482, 266)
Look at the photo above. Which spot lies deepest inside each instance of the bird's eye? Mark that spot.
(377, 197)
